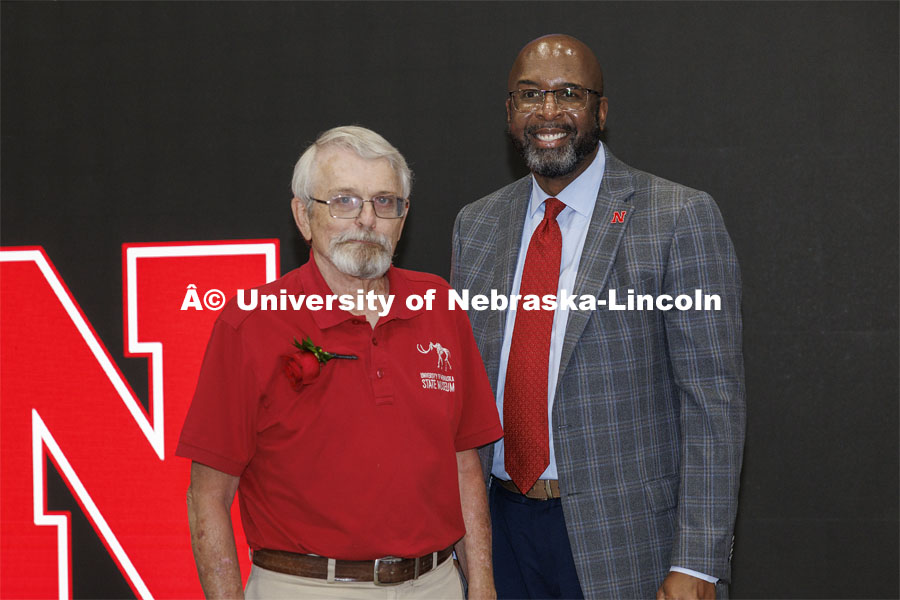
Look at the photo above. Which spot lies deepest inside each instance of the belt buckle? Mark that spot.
(388, 560)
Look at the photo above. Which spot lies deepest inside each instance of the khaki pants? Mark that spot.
(443, 582)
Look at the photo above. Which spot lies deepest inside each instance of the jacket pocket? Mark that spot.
(662, 493)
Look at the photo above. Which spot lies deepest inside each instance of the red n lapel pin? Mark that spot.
(619, 216)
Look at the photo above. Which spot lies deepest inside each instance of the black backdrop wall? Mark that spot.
(169, 122)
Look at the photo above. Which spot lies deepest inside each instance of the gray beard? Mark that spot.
(361, 261)
(556, 162)
(550, 162)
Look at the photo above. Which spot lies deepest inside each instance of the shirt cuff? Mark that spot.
(696, 574)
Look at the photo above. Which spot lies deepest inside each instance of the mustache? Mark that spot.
(364, 236)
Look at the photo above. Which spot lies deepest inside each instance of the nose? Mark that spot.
(549, 109)
(366, 217)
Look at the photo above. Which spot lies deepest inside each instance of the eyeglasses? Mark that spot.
(350, 207)
(567, 98)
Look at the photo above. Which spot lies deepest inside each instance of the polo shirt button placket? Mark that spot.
(382, 385)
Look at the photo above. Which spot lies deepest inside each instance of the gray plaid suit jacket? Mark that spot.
(649, 415)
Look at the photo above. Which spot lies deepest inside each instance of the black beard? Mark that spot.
(556, 162)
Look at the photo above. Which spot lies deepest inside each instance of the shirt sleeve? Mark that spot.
(220, 428)
(479, 422)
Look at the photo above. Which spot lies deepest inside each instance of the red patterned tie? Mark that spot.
(527, 448)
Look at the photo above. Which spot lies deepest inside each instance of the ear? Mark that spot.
(301, 218)
(602, 108)
(508, 109)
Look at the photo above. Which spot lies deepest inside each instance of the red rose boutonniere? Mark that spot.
(304, 365)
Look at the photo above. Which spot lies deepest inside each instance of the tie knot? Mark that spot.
(552, 208)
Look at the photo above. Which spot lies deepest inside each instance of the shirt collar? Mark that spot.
(400, 290)
(313, 283)
(581, 194)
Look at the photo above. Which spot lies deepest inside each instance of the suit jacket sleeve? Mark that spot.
(707, 363)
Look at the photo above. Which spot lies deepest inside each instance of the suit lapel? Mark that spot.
(511, 237)
(509, 243)
(600, 247)
(507, 218)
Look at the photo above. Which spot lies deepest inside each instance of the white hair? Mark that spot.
(365, 142)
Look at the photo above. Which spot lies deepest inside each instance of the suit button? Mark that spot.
(374, 341)
(379, 373)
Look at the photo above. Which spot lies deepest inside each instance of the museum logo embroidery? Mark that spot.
(443, 355)
(438, 381)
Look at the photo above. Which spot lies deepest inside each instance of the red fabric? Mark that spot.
(361, 462)
(527, 447)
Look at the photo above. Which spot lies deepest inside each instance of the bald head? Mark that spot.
(567, 58)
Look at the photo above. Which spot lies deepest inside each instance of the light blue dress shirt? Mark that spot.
(579, 198)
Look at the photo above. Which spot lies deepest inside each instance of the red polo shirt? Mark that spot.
(361, 462)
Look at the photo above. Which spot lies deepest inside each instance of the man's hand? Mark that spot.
(482, 592)
(681, 586)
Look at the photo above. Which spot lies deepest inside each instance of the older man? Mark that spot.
(618, 473)
(353, 449)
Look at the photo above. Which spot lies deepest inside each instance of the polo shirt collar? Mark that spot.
(313, 283)
(400, 290)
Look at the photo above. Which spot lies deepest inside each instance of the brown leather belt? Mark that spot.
(382, 571)
(543, 489)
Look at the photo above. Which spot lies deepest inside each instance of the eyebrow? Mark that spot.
(352, 192)
(536, 84)
(343, 190)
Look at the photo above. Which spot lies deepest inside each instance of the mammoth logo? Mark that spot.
(443, 354)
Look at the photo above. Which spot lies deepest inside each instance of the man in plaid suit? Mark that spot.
(645, 408)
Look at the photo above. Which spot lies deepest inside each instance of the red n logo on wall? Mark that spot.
(64, 398)
(619, 216)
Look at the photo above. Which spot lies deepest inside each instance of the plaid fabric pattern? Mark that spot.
(649, 415)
